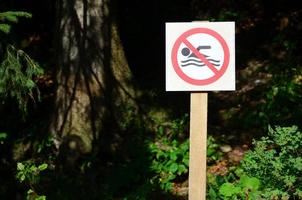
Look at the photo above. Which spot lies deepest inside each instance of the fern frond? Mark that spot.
(16, 77)
(11, 17)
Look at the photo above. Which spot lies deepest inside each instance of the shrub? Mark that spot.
(277, 162)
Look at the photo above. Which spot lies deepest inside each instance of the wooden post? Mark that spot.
(198, 146)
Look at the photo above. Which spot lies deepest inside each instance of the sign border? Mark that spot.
(183, 39)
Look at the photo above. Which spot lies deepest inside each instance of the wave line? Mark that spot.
(215, 64)
(185, 61)
(199, 65)
(213, 60)
(185, 65)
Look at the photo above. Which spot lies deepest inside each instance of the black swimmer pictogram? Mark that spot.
(192, 59)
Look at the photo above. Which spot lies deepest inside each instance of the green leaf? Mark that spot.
(212, 194)
(30, 84)
(167, 186)
(239, 172)
(30, 191)
(5, 15)
(186, 160)
(173, 156)
(254, 195)
(228, 190)
(182, 169)
(43, 167)
(250, 183)
(20, 166)
(173, 167)
(33, 168)
(22, 178)
(298, 163)
(210, 151)
(12, 18)
(5, 28)
(40, 198)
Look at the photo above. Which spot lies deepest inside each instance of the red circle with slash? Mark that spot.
(217, 73)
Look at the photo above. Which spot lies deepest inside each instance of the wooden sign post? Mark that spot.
(198, 146)
(200, 56)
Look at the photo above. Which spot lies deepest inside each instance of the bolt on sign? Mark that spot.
(200, 56)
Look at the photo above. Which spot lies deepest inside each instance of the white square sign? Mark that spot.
(200, 56)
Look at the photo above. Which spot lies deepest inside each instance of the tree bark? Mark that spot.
(93, 77)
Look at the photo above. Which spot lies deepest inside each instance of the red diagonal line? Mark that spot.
(200, 56)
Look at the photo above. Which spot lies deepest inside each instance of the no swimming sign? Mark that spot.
(200, 56)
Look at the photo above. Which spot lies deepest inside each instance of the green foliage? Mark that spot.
(232, 182)
(6, 18)
(170, 155)
(213, 185)
(17, 71)
(276, 161)
(246, 188)
(29, 173)
(235, 185)
(271, 171)
(171, 160)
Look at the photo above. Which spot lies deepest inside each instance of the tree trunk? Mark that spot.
(93, 78)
